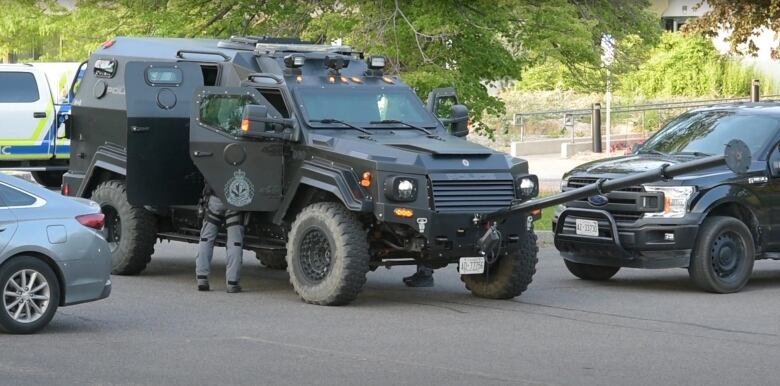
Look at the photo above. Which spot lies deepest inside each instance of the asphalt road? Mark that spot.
(642, 328)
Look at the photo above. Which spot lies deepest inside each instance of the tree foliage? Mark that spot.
(689, 66)
(743, 18)
(461, 43)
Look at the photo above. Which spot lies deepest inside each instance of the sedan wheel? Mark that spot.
(26, 296)
(31, 294)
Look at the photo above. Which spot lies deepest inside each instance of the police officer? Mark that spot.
(422, 278)
(216, 215)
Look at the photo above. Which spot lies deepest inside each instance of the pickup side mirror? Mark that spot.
(774, 161)
(256, 123)
(458, 121)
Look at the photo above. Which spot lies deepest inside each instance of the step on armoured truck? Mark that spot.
(341, 166)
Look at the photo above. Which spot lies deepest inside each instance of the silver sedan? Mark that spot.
(52, 254)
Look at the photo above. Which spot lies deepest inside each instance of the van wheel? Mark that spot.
(327, 254)
(49, 179)
(509, 276)
(31, 294)
(723, 259)
(130, 230)
(591, 272)
(273, 260)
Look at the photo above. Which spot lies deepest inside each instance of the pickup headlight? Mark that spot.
(403, 189)
(527, 187)
(676, 199)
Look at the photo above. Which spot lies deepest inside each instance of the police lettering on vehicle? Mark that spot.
(239, 191)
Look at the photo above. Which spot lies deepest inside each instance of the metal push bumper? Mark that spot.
(638, 245)
(451, 236)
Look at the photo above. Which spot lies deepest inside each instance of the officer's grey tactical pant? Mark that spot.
(216, 215)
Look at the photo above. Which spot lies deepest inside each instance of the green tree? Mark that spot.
(742, 18)
(465, 43)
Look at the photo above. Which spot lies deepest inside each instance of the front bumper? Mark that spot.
(646, 243)
(450, 236)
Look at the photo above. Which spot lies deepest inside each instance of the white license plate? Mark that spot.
(471, 265)
(587, 227)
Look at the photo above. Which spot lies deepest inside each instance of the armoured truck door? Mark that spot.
(245, 173)
(159, 98)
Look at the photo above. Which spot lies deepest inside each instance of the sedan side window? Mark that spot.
(15, 198)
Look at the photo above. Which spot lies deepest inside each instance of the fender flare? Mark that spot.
(105, 158)
(342, 183)
(729, 194)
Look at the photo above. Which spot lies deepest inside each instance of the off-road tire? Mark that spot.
(14, 265)
(272, 260)
(716, 235)
(49, 179)
(348, 251)
(509, 276)
(591, 272)
(138, 229)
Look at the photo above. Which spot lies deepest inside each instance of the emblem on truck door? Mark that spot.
(239, 191)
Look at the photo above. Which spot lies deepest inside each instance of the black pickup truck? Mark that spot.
(714, 222)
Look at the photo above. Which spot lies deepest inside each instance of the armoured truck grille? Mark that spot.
(472, 196)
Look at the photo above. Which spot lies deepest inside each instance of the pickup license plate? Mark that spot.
(587, 227)
(471, 265)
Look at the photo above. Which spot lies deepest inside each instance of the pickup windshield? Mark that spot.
(707, 133)
(361, 106)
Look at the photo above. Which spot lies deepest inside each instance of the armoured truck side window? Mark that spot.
(223, 112)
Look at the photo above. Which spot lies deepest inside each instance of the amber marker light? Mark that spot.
(403, 212)
(387, 79)
(299, 78)
(357, 80)
(331, 79)
(366, 180)
(344, 79)
(245, 125)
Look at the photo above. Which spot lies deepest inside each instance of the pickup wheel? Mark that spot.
(273, 260)
(591, 272)
(509, 276)
(131, 231)
(327, 254)
(723, 259)
(49, 179)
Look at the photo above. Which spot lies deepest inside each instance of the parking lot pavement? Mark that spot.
(642, 328)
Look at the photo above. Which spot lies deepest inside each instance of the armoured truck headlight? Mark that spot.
(294, 61)
(376, 62)
(527, 187)
(676, 199)
(402, 189)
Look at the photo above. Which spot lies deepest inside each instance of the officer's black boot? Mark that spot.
(422, 278)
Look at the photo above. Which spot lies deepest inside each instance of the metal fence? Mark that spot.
(627, 121)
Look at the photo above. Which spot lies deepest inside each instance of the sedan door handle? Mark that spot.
(39, 115)
(197, 153)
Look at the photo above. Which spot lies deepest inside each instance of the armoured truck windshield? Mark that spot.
(362, 105)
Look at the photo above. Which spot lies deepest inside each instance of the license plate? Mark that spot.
(471, 265)
(587, 227)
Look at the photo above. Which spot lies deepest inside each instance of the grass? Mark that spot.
(545, 223)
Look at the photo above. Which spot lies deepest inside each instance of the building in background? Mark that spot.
(675, 13)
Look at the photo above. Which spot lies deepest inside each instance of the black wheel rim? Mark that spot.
(113, 228)
(727, 254)
(315, 255)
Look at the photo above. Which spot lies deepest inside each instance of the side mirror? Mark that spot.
(256, 123)
(458, 121)
(774, 161)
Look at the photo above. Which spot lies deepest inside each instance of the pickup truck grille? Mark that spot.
(464, 195)
(622, 205)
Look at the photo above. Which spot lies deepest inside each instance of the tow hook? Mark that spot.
(490, 241)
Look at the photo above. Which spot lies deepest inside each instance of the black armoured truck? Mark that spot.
(340, 166)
